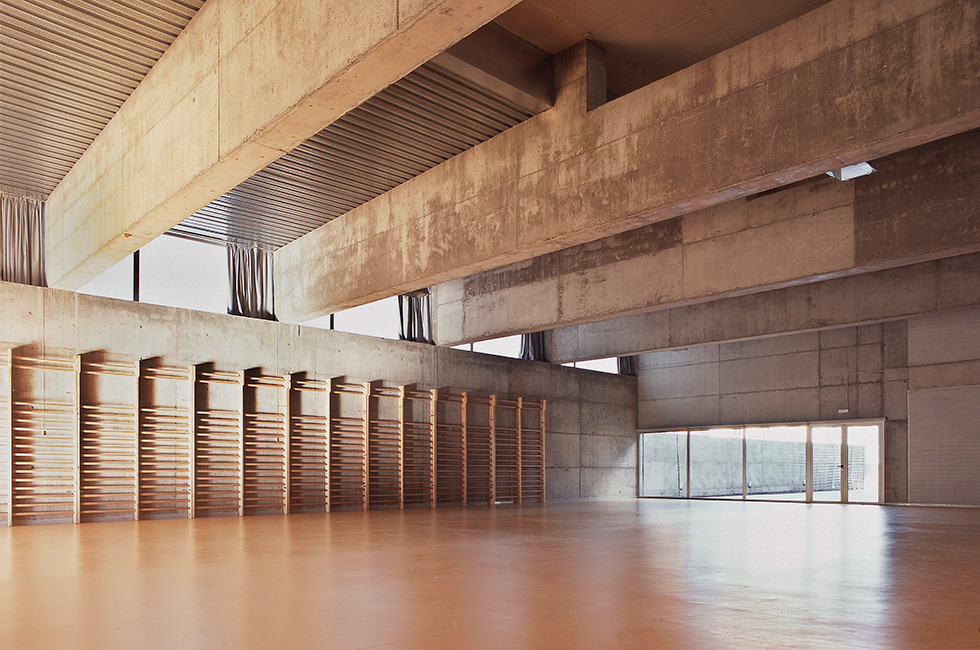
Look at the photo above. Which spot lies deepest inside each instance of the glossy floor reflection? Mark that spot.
(606, 574)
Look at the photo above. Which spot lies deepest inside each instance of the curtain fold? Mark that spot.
(533, 346)
(22, 240)
(250, 282)
(627, 365)
(415, 316)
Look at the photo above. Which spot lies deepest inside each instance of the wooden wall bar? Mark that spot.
(266, 444)
(385, 436)
(308, 457)
(6, 456)
(418, 467)
(87, 438)
(219, 441)
(44, 439)
(451, 448)
(109, 441)
(167, 450)
(348, 446)
(480, 450)
(532, 451)
(507, 457)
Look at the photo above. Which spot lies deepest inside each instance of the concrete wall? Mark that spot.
(591, 417)
(793, 378)
(944, 408)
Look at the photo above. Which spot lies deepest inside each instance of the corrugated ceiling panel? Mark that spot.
(422, 120)
(68, 65)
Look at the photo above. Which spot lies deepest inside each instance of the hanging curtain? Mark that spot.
(533, 347)
(22, 240)
(250, 281)
(415, 316)
(627, 365)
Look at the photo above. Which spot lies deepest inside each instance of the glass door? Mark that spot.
(863, 470)
(826, 464)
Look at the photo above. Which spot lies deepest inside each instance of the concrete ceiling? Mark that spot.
(648, 39)
(69, 64)
(424, 119)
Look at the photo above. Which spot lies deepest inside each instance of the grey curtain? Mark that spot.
(21, 240)
(627, 365)
(250, 282)
(415, 316)
(533, 346)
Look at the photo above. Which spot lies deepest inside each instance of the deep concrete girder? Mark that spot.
(851, 81)
(891, 294)
(243, 84)
(921, 204)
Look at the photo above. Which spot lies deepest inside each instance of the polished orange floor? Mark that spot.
(602, 574)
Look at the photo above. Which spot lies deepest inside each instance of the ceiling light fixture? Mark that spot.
(852, 171)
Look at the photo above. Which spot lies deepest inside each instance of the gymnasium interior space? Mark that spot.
(500, 324)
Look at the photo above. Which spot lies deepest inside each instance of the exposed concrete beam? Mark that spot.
(921, 204)
(891, 294)
(243, 84)
(850, 81)
(495, 59)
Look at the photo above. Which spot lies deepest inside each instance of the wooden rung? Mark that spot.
(355, 388)
(164, 409)
(275, 381)
(42, 363)
(43, 406)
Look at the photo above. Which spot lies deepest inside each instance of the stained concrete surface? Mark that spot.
(803, 233)
(556, 180)
(243, 84)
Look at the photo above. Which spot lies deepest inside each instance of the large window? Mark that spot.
(831, 461)
(663, 464)
(114, 282)
(183, 273)
(378, 318)
(775, 462)
(608, 364)
(505, 346)
(173, 271)
(715, 463)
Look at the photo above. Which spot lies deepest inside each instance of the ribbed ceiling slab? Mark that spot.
(67, 67)
(413, 125)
